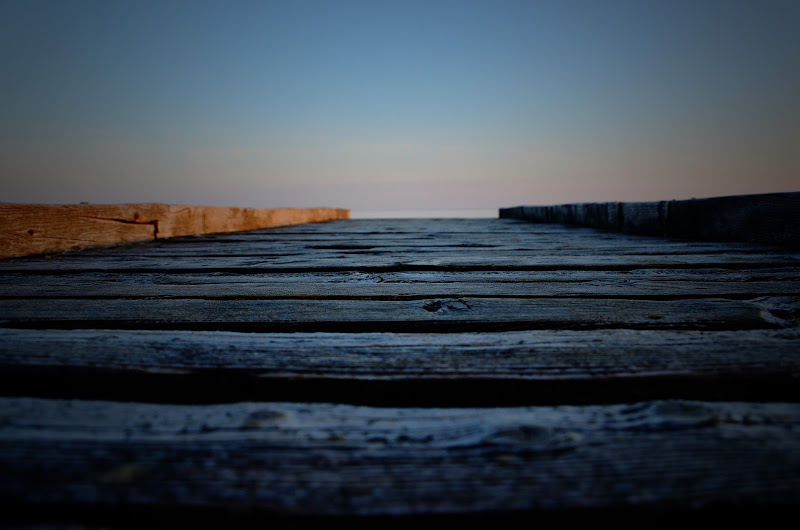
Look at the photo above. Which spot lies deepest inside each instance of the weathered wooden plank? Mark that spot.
(327, 460)
(63, 282)
(30, 229)
(679, 335)
(420, 225)
(771, 217)
(333, 235)
(357, 228)
(388, 315)
(539, 354)
(301, 261)
(461, 369)
(488, 229)
(464, 250)
(376, 287)
(327, 248)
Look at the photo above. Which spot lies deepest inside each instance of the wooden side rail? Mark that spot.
(765, 218)
(36, 229)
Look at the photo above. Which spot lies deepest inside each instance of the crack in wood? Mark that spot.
(154, 222)
(215, 386)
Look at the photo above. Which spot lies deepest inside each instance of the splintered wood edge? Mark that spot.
(36, 229)
(765, 218)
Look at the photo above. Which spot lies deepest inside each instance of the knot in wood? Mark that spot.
(260, 418)
(535, 438)
(442, 307)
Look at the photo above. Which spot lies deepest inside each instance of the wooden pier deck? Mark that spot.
(389, 368)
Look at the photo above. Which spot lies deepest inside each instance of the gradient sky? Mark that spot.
(397, 104)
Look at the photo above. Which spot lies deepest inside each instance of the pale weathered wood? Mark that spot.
(323, 459)
(32, 229)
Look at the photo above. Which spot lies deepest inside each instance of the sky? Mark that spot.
(392, 105)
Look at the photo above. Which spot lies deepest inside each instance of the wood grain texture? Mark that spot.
(34, 229)
(333, 460)
(20, 283)
(401, 367)
(541, 354)
(423, 315)
(533, 367)
(346, 244)
(395, 261)
(660, 285)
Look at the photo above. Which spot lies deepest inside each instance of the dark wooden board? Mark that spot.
(334, 460)
(336, 246)
(62, 282)
(483, 236)
(295, 262)
(423, 315)
(541, 354)
(769, 217)
(553, 242)
(489, 234)
(386, 287)
(535, 367)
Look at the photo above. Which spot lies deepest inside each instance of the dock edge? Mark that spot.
(763, 218)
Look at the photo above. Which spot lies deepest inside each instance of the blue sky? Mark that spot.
(397, 104)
